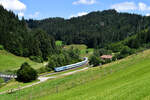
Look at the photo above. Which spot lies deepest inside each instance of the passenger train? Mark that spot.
(58, 69)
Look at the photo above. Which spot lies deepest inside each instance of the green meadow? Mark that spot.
(9, 61)
(58, 43)
(84, 50)
(126, 79)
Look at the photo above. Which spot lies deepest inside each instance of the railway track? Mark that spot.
(42, 78)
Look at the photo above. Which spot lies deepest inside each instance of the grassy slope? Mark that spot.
(130, 81)
(83, 48)
(13, 84)
(127, 79)
(58, 43)
(9, 61)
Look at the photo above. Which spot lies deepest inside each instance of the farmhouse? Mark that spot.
(104, 57)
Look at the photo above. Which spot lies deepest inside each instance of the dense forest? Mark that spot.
(118, 50)
(96, 29)
(18, 39)
(134, 43)
(112, 31)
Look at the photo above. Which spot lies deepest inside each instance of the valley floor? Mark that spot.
(126, 79)
(9, 61)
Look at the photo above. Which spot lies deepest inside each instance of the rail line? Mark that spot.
(43, 79)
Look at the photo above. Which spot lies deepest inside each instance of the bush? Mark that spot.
(95, 61)
(36, 59)
(115, 47)
(1, 81)
(114, 58)
(125, 50)
(1, 47)
(107, 61)
(43, 70)
(26, 73)
(53, 63)
(65, 57)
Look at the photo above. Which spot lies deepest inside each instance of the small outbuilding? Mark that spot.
(104, 57)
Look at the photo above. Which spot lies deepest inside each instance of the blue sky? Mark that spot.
(39, 9)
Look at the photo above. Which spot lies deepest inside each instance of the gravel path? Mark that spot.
(43, 79)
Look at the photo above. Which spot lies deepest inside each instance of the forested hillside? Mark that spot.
(95, 29)
(131, 45)
(36, 44)
(18, 39)
(139, 41)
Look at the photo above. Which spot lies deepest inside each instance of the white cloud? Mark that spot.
(143, 6)
(20, 14)
(124, 6)
(35, 15)
(148, 14)
(86, 2)
(78, 14)
(14, 5)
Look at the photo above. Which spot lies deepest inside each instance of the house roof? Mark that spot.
(106, 56)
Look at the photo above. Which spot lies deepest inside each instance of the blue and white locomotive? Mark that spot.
(58, 69)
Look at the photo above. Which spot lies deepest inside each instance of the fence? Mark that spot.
(7, 76)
